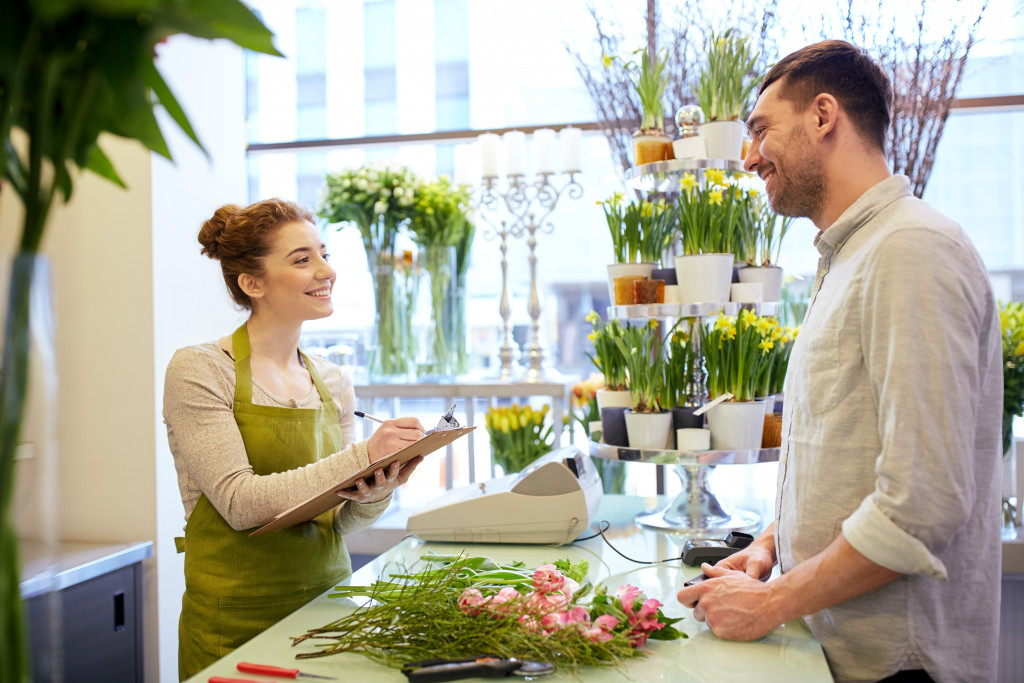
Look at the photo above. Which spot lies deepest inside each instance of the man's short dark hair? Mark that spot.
(844, 71)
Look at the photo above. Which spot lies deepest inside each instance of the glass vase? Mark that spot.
(391, 351)
(29, 535)
(438, 351)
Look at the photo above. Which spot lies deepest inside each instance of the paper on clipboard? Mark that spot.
(322, 502)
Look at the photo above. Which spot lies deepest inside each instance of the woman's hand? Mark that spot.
(392, 436)
(383, 483)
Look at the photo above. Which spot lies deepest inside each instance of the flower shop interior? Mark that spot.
(503, 187)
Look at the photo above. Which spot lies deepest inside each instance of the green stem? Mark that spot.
(13, 389)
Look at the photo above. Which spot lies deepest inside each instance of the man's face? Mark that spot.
(782, 154)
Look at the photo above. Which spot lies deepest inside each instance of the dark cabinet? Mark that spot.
(98, 627)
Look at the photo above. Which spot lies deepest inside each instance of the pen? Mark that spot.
(367, 416)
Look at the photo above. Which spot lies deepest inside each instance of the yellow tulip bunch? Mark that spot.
(746, 355)
(519, 435)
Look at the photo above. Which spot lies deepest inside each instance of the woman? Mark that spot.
(255, 427)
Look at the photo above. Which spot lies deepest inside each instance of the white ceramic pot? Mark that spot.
(770, 278)
(649, 431)
(624, 270)
(704, 278)
(723, 139)
(693, 439)
(736, 426)
(608, 398)
(746, 292)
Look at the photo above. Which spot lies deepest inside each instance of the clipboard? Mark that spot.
(322, 502)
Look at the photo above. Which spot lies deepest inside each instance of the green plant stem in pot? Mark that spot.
(736, 354)
(708, 213)
(724, 88)
(650, 82)
(70, 71)
(640, 346)
(607, 356)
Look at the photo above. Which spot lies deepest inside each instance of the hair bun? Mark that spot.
(213, 228)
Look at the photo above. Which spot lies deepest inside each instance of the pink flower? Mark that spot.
(471, 601)
(647, 617)
(498, 603)
(628, 595)
(552, 622)
(529, 622)
(538, 603)
(576, 615)
(547, 579)
(601, 631)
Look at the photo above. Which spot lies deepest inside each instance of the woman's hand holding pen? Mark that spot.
(392, 436)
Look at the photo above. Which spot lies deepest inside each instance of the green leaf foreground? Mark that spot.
(415, 616)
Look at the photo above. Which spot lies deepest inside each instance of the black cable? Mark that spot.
(604, 526)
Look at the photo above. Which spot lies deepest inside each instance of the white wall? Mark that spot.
(130, 287)
(189, 297)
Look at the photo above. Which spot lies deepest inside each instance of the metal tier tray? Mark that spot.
(696, 511)
(663, 176)
(647, 311)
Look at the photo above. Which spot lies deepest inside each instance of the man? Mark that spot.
(887, 512)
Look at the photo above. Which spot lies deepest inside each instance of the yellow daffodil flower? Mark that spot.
(714, 176)
(689, 181)
(715, 197)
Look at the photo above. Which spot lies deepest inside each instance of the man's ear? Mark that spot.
(825, 109)
(252, 286)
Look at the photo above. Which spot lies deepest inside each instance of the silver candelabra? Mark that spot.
(526, 207)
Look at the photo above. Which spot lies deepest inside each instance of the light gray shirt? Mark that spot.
(209, 454)
(891, 435)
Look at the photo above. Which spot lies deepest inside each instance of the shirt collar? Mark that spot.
(867, 206)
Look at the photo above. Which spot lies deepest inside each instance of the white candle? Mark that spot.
(488, 155)
(515, 152)
(544, 151)
(571, 140)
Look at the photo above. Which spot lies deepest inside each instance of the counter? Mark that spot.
(790, 653)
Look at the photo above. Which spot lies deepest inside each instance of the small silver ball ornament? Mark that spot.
(688, 118)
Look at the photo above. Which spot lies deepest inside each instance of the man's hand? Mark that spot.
(392, 436)
(756, 560)
(734, 605)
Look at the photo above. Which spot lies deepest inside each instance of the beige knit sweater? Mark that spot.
(210, 458)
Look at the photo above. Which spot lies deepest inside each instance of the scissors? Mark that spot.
(436, 670)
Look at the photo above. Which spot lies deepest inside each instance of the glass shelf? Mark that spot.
(647, 311)
(663, 176)
(696, 511)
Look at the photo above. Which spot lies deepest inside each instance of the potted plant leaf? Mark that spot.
(648, 78)
(648, 424)
(708, 210)
(723, 90)
(70, 71)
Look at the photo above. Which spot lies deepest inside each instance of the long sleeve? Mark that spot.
(210, 457)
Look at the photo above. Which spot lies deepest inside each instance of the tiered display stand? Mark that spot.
(696, 511)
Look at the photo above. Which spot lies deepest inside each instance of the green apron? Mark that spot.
(237, 586)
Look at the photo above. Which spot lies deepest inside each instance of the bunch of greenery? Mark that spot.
(641, 231)
(519, 435)
(459, 606)
(728, 80)
(441, 222)
(649, 80)
(1011, 325)
(779, 348)
(69, 72)
(377, 199)
(607, 358)
(641, 348)
(736, 354)
(680, 363)
(708, 213)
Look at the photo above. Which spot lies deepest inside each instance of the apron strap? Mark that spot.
(243, 371)
(330, 408)
(179, 544)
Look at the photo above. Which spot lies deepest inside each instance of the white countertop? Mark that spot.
(68, 563)
(788, 654)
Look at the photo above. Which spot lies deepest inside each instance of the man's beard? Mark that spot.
(801, 192)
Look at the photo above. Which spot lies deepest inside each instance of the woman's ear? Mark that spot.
(252, 286)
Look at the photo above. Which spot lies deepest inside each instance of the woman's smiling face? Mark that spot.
(298, 280)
